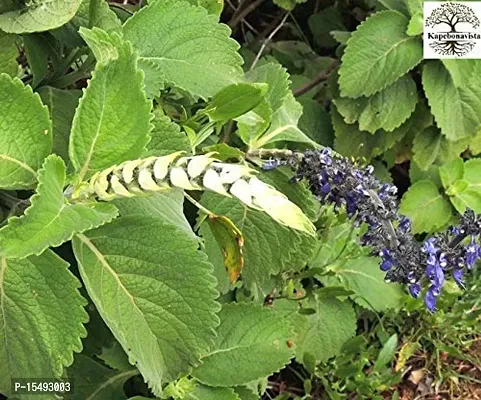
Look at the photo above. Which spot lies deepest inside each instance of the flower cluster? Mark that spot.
(335, 180)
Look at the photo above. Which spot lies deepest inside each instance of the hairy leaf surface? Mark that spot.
(363, 276)
(62, 105)
(455, 108)
(425, 206)
(154, 289)
(50, 220)
(39, 16)
(112, 121)
(191, 49)
(386, 109)
(323, 334)
(251, 343)
(42, 318)
(25, 134)
(377, 54)
(8, 54)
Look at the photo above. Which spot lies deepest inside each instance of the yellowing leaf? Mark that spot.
(231, 242)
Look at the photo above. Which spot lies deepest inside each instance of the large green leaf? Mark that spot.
(93, 381)
(235, 100)
(269, 247)
(62, 105)
(42, 318)
(155, 291)
(50, 220)
(466, 192)
(283, 126)
(425, 206)
(167, 205)
(24, 141)
(39, 16)
(387, 109)
(457, 109)
(363, 276)
(167, 137)
(322, 335)
(113, 109)
(377, 54)
(191, 49)
(8, 54)
(252, 342)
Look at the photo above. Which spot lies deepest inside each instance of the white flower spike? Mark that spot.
(202, 172)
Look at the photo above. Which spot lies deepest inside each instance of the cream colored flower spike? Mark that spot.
(203, 172)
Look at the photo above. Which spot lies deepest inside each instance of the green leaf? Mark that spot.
(350, 141)
(269, 247)
(167, 138)
(93, 381)
(386, 355)
(115, 357)
(456, 109)
(425, 206)
(471, 195)
(323, 334)
(426, 146)
(451, 172)
(363, 276)
(377, 54)
(315, 122)
(42, 318)
(415, 6)
(37, 49)
(50, 220)
(167, 205)
(154, 290)
(323, 23)
(202, 392)
(113, 109)
(225, 152)
(62, 105)
(235, 100)
(416, 25)
(195, 53)
(277, 80)
(39, 16)
(8, 54)
(257, 121)
(246, 393)
(387, 109)
(251, 343)
(284, 126)
(101, 16)
(24, 142)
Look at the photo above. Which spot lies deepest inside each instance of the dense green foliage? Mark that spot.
(138, 297)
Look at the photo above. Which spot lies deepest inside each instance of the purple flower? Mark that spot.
(429, 247)
(458, 275)
(472, 251)
(430, 299)
(415, 290)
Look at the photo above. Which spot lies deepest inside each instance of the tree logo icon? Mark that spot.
(453, 30)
